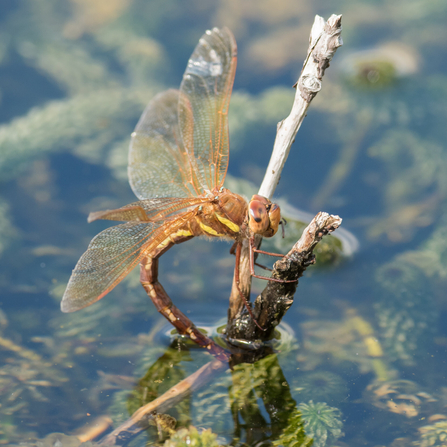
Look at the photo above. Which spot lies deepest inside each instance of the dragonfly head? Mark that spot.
(263, 216)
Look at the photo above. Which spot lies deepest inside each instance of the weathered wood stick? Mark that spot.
(323, 43)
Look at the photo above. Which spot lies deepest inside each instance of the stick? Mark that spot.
(323, 43)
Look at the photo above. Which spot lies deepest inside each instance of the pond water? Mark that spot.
(362, 355)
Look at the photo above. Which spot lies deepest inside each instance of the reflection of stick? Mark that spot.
(139, 421)
(323, 43)
(94, 428)
(275, 300)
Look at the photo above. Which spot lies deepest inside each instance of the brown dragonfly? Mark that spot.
(177, 165)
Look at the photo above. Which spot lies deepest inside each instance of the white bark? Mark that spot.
(323, 42)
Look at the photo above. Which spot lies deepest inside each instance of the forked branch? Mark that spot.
(323, 43)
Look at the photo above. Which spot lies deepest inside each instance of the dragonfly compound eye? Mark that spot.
(258, 215)
(274, 218)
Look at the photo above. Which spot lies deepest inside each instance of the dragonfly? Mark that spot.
(178, 160)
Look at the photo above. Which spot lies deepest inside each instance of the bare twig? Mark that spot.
(324, 41)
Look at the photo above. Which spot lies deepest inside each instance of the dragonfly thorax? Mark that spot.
(232, 206)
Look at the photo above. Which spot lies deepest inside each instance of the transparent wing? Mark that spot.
(150, 210)
(203, 107)
(158, 163)
(111, 255)
(180, 145)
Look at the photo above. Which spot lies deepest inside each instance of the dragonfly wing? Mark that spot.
(149, 210)
(158, 163)
(111, 255)
(203, 106)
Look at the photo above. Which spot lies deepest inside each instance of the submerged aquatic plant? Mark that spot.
(351, 339)
(84, 124)
(7, 230)
(26, 380)
(319, 386)
(382, 66)
(294, 434)
(212, 405)
(191, 437)
(399, 396)
(414, 191)
(406, 311)
(434, 435)
(434, 250)
(322, 423)
(54, 440)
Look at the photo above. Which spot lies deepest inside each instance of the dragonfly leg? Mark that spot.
(233, 252)
(252, 263)
(234, 248)
(164, 305)
(237, 275)
(262, 252)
